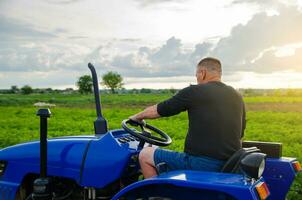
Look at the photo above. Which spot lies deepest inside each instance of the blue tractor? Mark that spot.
(105, 166)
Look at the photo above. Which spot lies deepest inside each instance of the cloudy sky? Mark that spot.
(152, 43)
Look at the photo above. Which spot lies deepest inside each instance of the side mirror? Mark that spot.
(252, 165)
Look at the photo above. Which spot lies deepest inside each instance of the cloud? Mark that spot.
(12, 29)
(146, 3)
(270, 62)
(252, 47)
(171, 59)
(56, 79)
(266, 3)
(41, 57)
(254, 1)
(77, 37)
(62, 1)
(130, 39)
(201, 50)
(246, 42)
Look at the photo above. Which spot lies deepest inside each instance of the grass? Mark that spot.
(273, 99)
(74, 115)
(78, 100)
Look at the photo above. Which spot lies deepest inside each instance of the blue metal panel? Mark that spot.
(279, 175)
(8, 190)
(231, 184)
(105, 162)
(64, 158)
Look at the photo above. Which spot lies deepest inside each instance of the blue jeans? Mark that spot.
(183, 161)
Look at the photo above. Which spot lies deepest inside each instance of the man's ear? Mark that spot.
(204, 74)
(200, 76)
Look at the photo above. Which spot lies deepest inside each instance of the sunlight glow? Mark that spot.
(286, 79)
(288, 50)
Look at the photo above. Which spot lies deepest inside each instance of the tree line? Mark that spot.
(112, 81)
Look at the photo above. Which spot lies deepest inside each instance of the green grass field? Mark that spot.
(277, 119)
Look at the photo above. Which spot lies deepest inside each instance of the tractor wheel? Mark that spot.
(21, 194)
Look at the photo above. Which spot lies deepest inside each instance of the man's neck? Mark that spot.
(214, 79)
(210, 79)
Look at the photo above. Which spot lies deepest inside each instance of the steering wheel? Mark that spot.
(145, 134)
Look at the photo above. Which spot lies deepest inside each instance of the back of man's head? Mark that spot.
(212, 65)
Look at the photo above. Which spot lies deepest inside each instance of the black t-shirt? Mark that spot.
(216, 118)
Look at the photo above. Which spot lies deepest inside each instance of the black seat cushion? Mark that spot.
(232, 164)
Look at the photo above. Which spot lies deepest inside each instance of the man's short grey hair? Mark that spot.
(211, 64)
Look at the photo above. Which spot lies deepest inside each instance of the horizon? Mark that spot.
(152, 44)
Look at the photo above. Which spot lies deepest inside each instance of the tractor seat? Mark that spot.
(232, 164)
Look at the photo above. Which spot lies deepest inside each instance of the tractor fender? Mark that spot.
(209, 185)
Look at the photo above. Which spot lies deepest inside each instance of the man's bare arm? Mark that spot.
(149, 113)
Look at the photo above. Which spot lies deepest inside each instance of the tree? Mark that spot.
(14, 89)
(49, 90)
(172, 90)
(85, 84)
(26, 89)
(145, 90)
(112, 80)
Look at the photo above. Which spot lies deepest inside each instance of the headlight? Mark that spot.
(252, 165)
(2, 167)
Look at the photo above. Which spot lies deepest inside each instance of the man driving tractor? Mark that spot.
(216, 115)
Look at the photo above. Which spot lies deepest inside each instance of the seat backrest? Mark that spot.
(232, 164)
(271, 149)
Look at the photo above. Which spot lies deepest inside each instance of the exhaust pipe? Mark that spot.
(43, 114)
(42, 189)
(100, 124)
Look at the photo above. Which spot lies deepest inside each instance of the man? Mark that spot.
(216, 123)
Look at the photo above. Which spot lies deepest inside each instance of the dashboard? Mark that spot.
(126, 140)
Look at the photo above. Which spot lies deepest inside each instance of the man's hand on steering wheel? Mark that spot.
(145, 132)
(133, 121)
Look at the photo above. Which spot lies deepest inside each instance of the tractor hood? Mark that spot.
(92, 161)
(64, 157)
